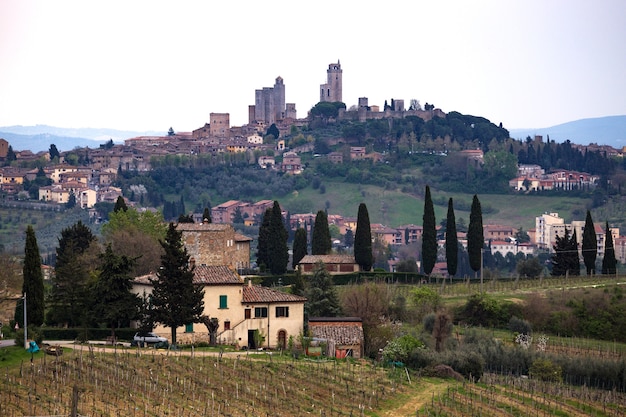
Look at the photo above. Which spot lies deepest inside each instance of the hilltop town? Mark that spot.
(86, 177)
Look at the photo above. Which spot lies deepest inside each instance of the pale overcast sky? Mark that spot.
(149, 65)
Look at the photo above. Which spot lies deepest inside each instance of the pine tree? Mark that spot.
(322, 299)
(609, 263)
(363, 254)
(321, 244)
(278, 251)
(299, 246)
(475, 235)
(69, 295)
(33, 283)
(114, 302)
(452, 243)
(590, 245)
(176, 299)
(429, 234)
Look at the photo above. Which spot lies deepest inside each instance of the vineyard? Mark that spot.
(154, 383)
(508, 396)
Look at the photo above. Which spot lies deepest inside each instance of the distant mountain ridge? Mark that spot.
(609, 130)
(38, 138)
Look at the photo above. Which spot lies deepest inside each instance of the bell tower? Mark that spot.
(332, 90)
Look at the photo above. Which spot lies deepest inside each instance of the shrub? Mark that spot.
(400, 349)
(545, 370)
(518, 325)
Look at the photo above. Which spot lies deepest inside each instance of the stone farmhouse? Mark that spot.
(250, 316)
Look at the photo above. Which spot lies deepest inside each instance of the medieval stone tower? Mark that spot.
(332, 90)
(269, 103)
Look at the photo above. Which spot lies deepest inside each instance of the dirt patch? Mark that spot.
(422, 393)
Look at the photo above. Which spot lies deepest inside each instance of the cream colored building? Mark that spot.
(250, 316)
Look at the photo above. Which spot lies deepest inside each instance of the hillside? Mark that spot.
(609, 130)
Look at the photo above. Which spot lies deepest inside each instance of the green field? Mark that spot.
(394, 208)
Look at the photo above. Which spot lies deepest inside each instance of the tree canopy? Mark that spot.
(609, 263)
(33, 283)
(300, 246)
(565, 258)
(429, 234)
(320, 242)
(363, 254)
(452, 243)
(322, 299)
(590, 245)
(475, 235)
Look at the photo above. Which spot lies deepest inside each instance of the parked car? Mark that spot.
(148, 338)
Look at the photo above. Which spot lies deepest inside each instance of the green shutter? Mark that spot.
(223, 301)
(189, 328)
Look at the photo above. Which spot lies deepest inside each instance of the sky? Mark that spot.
(151, 65)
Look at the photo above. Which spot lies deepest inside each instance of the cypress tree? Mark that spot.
(321, 244)
(299, 246)
(176, 299)
(120, 204)
(206, 215)
(565, 258)
(452, 243)
(262, 254)
(590, 245)
(363, 254)
(278, 253)
(475, 235)
(33, 283)
(609, 263)
(429, 234)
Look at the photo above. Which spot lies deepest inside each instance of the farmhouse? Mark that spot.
(250, 316)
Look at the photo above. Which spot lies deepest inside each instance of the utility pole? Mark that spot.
(25, 325)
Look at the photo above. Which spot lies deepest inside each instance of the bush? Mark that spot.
(517, 325)
(401, 348)
(545, 370)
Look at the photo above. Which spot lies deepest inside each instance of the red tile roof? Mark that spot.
(203, 274)
(258, 294)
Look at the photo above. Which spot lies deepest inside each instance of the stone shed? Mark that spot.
(343, 335)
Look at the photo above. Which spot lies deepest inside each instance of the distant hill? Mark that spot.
(610, 130)
(38, 138)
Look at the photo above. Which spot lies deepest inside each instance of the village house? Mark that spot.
(250, 316)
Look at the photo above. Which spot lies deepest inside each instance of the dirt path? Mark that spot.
(422, 393)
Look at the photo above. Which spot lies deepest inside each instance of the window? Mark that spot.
(282, 311)
(260, 312)
(223, 301)
(247, 313)
(227, 325)
(189, 328)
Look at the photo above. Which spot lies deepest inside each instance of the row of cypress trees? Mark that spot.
(475, 236)
(272, 251)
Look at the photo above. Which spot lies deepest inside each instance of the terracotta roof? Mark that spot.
(242, 238)
(340, 332)
(328, 259)
(203, 274)
(258, 294)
